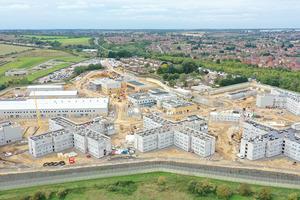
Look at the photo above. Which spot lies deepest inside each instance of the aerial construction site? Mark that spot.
(115, 114)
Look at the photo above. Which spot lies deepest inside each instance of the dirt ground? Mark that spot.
(227, 134)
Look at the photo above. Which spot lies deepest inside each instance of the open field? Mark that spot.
(30, 59)
(8, 49)
(64, 40)
(140, 186)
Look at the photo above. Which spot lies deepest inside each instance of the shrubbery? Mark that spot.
(223, 192)
(202, 188)
(244, 189)
(264, 194)
(80, 70)
(122, 187)
(294, 196)
(61, 194)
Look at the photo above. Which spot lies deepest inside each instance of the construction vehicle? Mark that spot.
(38, 114)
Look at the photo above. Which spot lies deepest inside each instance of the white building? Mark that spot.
(182, 139)
(225, 116)
(159, 95)
(98, 145)
(189, 134)
(54, 94)
(183, 92)
(75, 107)
(107, 85)
(66, 134)
(31, 88)
(141, 99)
(241, 94)
(260, 141)
(203, 144)
(279, 98)
(53, 141)
(292, 146)
(9, 133)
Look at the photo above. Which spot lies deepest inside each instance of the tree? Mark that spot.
(294, 196)
(188, 66)
(204, 187)
(223, 192)
(264, 194)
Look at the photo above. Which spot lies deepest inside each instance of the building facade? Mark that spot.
(178, 107)
(9, 133)
(160, 133)
(279, 98)
(74, 107)
(141, 99)
(65, 134)
(259, 141)
(230, 116)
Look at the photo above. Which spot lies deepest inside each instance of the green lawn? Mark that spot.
(33, 58)
(8, 49)
(143, 187)
(64, 40)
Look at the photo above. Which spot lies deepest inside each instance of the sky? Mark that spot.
(149, 14)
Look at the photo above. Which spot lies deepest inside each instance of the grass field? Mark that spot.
(64, 40)
(33, 58)
(8, 49)
(142, 186)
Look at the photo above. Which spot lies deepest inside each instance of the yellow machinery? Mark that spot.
(38, 114)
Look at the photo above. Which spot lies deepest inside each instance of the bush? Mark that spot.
(192, 186)
(223, 192)
(264, 194)
(38, 196)
(25, 198)
(61, 194)
(48, 194)
(161, 180)
(122, 187)
(202, 188)
(294, 196)
(245, 189)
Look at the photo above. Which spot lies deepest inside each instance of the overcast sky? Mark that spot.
(119, 14)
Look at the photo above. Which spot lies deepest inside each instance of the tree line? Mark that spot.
(278, 77)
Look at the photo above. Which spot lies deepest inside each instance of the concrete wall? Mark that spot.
(254, 176)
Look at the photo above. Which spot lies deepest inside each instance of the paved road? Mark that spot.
(19, 180)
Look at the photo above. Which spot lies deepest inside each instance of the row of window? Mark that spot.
(49, 111)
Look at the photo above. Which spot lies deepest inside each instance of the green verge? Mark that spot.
(141, 186)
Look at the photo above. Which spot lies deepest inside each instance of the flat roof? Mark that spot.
(140, 96)
(54, 93)
(54, 104)
(176, 103)
(44, 86)
(136, 83)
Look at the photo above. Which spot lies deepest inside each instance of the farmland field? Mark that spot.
(30, 59)
(8, 49)
(64, 40)
(157, 185)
